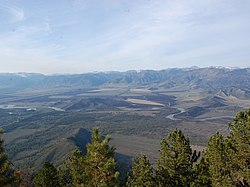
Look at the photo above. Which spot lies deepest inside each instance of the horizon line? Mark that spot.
(131, 70)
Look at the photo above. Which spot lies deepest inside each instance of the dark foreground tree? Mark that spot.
(76, 164)
(47, 176)
(238, 144)
(100, 164)
(141, 174)
(175, 166)
(229, 158)
(97, 169)
(201, 173)
(7, 175)
(219, 161)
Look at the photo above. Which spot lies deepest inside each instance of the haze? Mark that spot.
(73, 36)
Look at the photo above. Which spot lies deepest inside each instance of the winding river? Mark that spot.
(172, 116)
(5, 107)
(182, 110)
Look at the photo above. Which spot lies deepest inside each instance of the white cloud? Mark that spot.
(17, 13)
(127, 35)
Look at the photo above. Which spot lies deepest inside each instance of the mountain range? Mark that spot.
(225, 81)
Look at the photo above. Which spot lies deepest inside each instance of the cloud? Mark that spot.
(17, 13)
(121, 35)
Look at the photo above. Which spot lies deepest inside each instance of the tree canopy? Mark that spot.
(47, 176)
(7, 174)
(141, 174)
(176, 160)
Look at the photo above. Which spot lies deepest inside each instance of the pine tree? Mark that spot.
(218, 161)
(201, 173)
(176, 161)
(65, 176)
(141, 174)
(76, 164)
(47, 176)
(101, 168)
(238, 142)
(6, 174)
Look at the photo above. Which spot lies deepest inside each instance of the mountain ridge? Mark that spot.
(211, 79)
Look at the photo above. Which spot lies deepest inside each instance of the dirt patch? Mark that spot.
(144, 102)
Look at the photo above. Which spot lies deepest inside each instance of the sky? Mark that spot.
(77, 36)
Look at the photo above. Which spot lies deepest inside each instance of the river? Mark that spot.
(172, 116)
(182, 110)
(5, 107)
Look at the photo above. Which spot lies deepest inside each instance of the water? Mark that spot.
(28, 108)
(172, 116)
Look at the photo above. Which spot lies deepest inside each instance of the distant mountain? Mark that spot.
(224, 81)
(236, 92)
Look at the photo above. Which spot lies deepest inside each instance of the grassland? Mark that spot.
(135, 118)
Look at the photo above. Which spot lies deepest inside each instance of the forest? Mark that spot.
(224, 162)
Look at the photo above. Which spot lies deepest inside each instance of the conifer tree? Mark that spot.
(141, 174)
(65, 176)
(47, 176)
(218, 161)
(6, 174)
(176, 161)
(238, 142)
(101, 168)
(201, 173)
(77, 168)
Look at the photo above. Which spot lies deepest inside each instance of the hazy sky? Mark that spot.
(74, 36)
